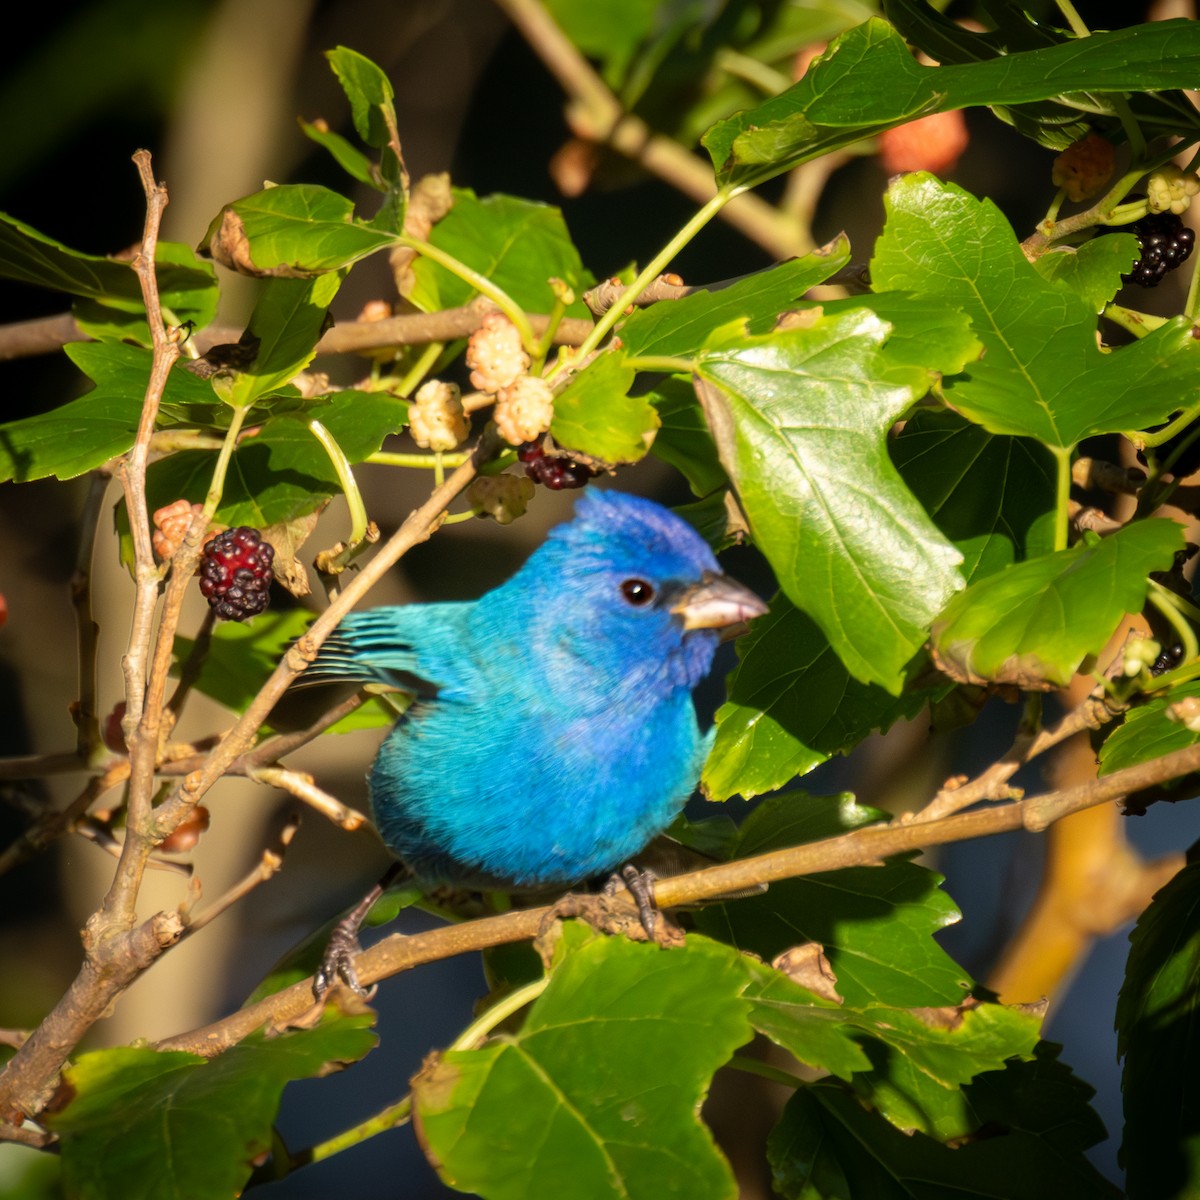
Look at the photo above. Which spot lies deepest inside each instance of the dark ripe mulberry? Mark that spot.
(1166, 243)
(559, 473)
(236, 573)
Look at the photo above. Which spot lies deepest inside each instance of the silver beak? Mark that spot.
(717, 602)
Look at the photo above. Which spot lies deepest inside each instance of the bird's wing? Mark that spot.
(409, 648)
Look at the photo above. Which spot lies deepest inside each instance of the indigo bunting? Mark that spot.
(551, 732)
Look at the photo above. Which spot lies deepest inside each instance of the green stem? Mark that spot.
(1189, 308)
(217, 488)
(667, 364)
(1078, 28)
(1170, 606)
(742, 66)
(1062, 496)
(419, 369)
(752, 1066)
(1132, 321)
(385, 458)
(504, 1008)
(1177, 424)
(399, 1113)
(358, 510)
(653, 269)
(484, 286)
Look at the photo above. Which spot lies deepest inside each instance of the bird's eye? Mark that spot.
(637, 592)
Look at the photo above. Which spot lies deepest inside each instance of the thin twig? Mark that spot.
(268, 866)
(992, 784)
(301, 785)
(52, 825)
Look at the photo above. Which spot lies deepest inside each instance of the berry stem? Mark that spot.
(217, 488)
(385, 458)
(484, 286)
(1179, 614)
(418, 371)
(358, 510)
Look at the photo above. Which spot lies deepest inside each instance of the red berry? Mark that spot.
(236, 573)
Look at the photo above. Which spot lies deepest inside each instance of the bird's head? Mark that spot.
(634, 586)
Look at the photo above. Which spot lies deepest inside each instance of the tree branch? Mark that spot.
(857, 848)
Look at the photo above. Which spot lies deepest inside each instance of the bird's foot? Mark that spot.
(343, 947)
(640, 885)
(337, 963)
(604, 913)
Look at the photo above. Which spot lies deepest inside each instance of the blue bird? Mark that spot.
(552, 732)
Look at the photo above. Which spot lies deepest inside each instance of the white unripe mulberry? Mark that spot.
(435, 418)
(495, 354)
(1170, 189)
(502, 497)
(524, 411)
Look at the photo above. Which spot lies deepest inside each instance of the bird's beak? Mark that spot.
(717, 602)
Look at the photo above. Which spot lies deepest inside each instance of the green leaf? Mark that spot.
(595, 415)
(1158, 1024)
(242, 654)
(800, 418)
(993, 497)
(287, 322)
(102, 423)
(769, 730)
(347, 156)
(187, 286)
(680, 327)
(558, 1109)
(907, 1064)
(1092, 270)
(683, 440)
(1033, 624)
(875, 923)
(1042, 374)
(827, 1146)
(1055, 123)
(1147, 733)
(294, 231)
(174, 1125)
(868, 81)
(369, 91)
(282, 472)
(517, 244)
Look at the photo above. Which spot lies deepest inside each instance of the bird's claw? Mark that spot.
(603, 915)
(337, 964)
(640, 885)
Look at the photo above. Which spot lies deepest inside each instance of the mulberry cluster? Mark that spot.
(495, 354)
(1166, 243)
(236, 573)
(436, 418)
(1170, 189)
(504, 498)
(524, 410)
(555, 471)
(171, 523)
(1084, 167)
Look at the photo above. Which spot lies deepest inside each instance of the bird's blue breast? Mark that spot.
(545, 797)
